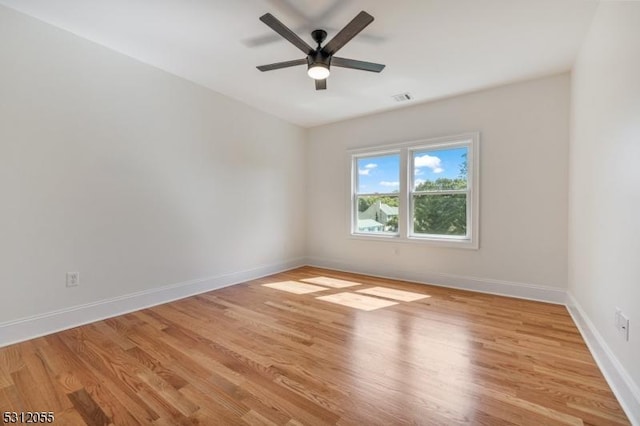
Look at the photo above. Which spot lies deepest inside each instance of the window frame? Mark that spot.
(406, 151)
(355, 194)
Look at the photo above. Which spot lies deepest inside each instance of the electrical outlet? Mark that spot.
(73, 279)
(622, 324)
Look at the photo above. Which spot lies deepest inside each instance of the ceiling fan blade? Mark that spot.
(285, 32)
(321, 84)
(352, 29)
(279, 65)
(356, 65)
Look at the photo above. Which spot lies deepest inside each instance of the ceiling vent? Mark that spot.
(402, 97)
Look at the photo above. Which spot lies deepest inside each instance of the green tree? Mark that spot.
(444, 214)
(392, 224)
(364, 203)
(463, 167)
(442, 184)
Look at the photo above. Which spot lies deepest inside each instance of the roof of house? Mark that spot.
(369, 223)
(389, 210)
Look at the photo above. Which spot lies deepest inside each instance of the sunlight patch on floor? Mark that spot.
(357, 301)
(391, 293)
(295, 287)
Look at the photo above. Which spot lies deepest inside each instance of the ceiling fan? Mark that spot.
(320, 59)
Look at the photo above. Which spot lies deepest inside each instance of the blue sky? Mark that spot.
(381, 174)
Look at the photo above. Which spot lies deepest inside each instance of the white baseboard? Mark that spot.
(481, 285)
(621, 383)
(39, 325)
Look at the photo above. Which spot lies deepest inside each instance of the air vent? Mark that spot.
(402, 97)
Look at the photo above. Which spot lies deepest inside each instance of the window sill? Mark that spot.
(433, 242)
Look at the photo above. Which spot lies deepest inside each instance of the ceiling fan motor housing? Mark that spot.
(318, 57)
(319, 36)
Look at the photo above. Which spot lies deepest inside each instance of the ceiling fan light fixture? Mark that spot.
(318, 71)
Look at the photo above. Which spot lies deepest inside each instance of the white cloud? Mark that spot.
(419, 181)
(367, 169)
(387, 183)
(432, 162)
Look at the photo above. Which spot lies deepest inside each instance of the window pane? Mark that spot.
(378, 214)
(440, 169)
(379, 174)
(440, 214)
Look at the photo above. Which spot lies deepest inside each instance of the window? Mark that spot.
(425, 191)
(439, 193)
(377, 194)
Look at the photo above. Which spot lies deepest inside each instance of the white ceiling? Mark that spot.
(432, 48)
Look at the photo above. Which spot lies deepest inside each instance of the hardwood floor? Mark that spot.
(252, 354)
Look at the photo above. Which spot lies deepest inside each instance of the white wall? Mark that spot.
(138, 179)
(604, 237)
(133, 177)
(523, 216)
